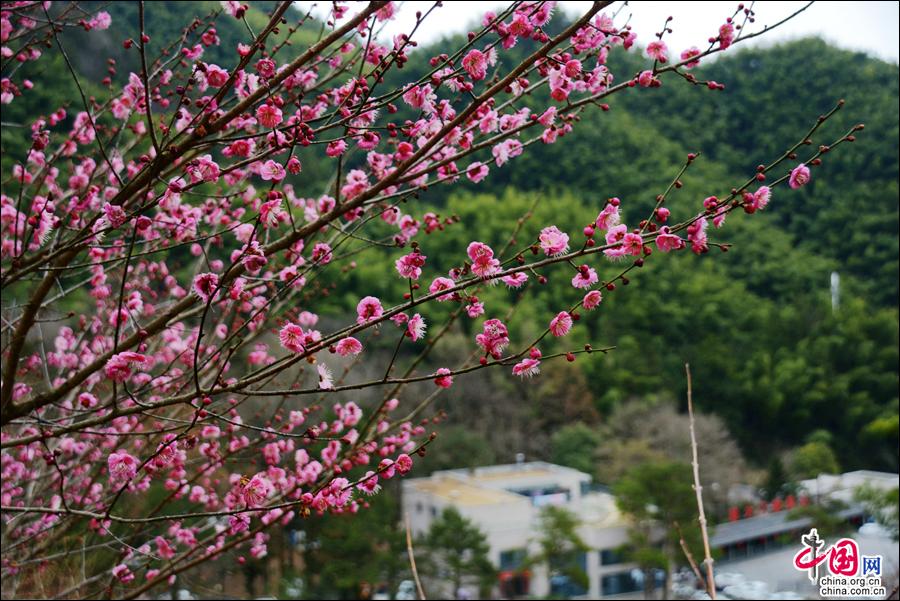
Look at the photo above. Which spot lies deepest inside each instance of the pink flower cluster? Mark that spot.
(410, 266)
(481, 255)
(493, 338)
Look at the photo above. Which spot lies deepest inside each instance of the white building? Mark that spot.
(843, 487)
(505, 502)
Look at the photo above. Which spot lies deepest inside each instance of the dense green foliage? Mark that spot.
(883, 505)
(660, 500)
(573, 446)
(769, 353)
(459, 551)
(775, 366)
(339, 555)
(560, 547)
(814, 458)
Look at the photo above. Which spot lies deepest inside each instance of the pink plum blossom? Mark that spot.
(666, 241)
(553, 242)
(369, 308)
(591, 300)
(122, 573)
(443, 378)
(585, 278)
(726, 35)
(657, 50)
(410, 266)
(439, 284)
(493, 338)
(292, 337)
(257, 490)
(475, 64)
(477, 171)
(799, 176)
(527, 368)
(205, 285)
(272, 171)
(415, 327)
(403, 463)
(369, 484)
(122, 466)
(269, 115)
(119, 366)
(515, 280)
(561, 324)
(688, 55)
(348, 346)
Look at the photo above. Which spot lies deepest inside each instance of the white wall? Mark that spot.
(514, 525)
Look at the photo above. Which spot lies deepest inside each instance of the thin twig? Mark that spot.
(412, 559)
(689, 555)
(710, 581)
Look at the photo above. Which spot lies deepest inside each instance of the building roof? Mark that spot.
(515, 471)
(501, 486)
(495, 484)
(514, 474)
(843, 486)
(459, 492)
(599, 509)
(759, 526)
(840, 487)
(769, 524)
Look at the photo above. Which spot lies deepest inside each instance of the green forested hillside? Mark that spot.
(756, 324)
(769, 354)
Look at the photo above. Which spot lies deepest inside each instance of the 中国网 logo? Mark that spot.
(848, 573)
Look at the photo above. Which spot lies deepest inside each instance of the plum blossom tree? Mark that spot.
(196, 404)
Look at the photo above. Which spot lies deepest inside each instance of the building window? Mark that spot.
(622, 582)
(512, 559)
(515, 585)
(562, 584)
(545, 495)
(609, 557)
